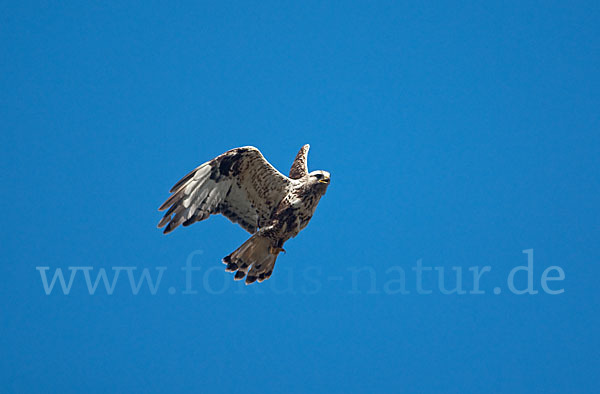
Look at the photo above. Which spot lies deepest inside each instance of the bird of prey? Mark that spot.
(244, 187)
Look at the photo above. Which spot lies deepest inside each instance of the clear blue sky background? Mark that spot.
(456, 133)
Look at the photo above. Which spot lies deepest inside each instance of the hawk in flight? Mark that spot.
(244, 187)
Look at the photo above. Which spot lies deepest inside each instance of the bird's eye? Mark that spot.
(319, 176)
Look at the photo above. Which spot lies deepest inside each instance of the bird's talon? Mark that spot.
(276, 251)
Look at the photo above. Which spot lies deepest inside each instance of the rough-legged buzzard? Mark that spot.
(241, 185)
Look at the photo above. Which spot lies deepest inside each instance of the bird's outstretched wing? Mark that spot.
(240, 184)
(300, 165)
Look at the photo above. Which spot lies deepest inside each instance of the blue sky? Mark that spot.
(459, 135)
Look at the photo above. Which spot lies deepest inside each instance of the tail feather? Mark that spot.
(255, 256)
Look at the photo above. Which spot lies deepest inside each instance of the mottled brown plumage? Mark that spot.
(241, 185)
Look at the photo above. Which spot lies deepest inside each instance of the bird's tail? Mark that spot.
(257, 255)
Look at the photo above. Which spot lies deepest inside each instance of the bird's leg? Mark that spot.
(274, 250)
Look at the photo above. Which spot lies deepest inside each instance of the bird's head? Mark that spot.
(319, 179)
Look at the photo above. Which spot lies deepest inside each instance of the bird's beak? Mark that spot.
(324, 180)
